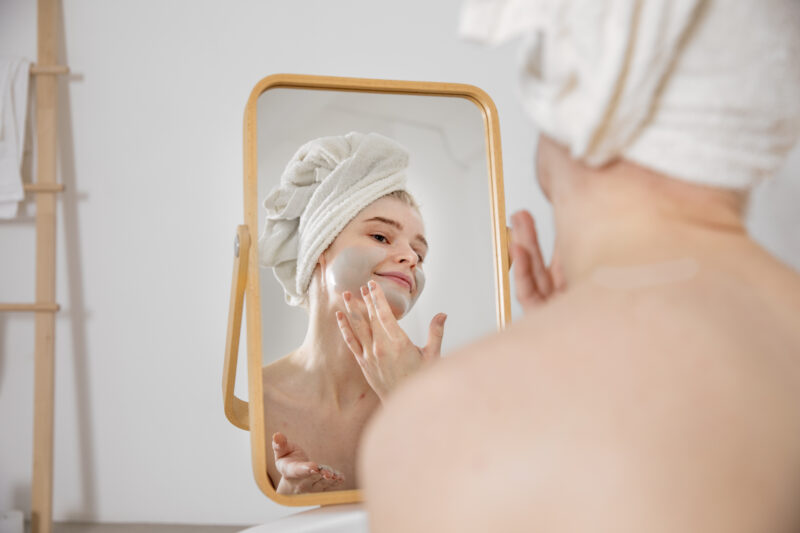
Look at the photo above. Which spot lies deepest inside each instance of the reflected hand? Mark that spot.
(382, 349)
(298, 474)
(535, 283)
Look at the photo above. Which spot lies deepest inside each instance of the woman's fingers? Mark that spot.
(535, 282)
(383, 311)
(524, 278)
(281, 447)
(524, 235)
(525, 285)
(349, 337)
(322, 479)
(298, 470)
(435, 334)
(305, 484)
(327, 480)
(372, 312)
(359, 322)
(379, 333)
(368, 303)
(331, 474)
(556, 272)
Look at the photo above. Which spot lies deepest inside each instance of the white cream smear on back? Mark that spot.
(354, 267)
(638, 276)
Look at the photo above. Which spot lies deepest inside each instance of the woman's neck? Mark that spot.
(328, 362)
(627, 215)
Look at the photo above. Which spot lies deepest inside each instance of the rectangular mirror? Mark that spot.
(308, 399)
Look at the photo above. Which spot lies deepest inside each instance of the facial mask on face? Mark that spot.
(400, 300)
(354, 267)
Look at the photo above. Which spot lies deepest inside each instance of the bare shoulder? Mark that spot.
(453, 435)
(589, 404)
(279, 378)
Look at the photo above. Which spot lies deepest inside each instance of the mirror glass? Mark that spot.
(316, 405)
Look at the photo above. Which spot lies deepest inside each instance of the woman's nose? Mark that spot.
(407, 255)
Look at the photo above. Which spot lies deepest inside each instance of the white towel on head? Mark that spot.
(702, 90)
(14, 75)
(325, 185)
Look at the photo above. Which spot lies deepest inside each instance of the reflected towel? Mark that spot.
(702, 90)
(14, 75)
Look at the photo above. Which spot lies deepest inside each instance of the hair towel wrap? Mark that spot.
(707, 91)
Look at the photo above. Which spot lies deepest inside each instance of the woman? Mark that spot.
(660, 391)
(347, 243)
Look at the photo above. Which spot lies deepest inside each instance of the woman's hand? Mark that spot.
(298, 474)
(535, 283)
(382, 349)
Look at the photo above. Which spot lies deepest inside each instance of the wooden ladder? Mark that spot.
(46, 71)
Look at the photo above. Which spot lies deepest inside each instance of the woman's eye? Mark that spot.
(380, 238)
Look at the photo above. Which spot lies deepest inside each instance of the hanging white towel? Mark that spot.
(14, 75)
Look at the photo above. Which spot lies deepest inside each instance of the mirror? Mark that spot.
(305, 391)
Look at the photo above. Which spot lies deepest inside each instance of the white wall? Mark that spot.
(151, 155)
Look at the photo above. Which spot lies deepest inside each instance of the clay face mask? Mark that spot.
(353, 267)
(400, 300)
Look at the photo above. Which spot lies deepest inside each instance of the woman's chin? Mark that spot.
(398, 313)
(399, 308)
(399, 302)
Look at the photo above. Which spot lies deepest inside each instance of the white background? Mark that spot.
(151, 154)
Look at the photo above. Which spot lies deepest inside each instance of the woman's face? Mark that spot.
(384, 242)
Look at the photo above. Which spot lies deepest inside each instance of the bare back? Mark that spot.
(668, 406)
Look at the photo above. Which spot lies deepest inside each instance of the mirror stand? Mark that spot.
(236, 410)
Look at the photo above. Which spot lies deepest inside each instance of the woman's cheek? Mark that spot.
(419, 277)
(352, 268)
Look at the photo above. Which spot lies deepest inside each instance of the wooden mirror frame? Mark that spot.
(250, 415)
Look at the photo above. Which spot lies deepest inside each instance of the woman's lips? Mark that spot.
(398, 277)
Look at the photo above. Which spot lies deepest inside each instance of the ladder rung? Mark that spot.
(39, 307)
(44, 187)
(49, 69)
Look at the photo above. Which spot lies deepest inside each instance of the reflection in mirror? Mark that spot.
(356, 187)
